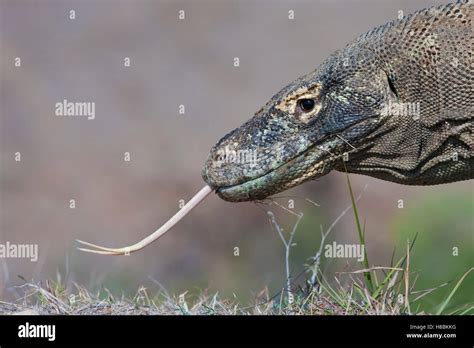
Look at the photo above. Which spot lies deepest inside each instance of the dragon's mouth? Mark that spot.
(314, 161)
(309, 164)
(243, 190)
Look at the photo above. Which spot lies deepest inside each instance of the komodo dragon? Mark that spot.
(397, 104)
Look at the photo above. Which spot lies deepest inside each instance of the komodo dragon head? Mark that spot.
(340, 116)
(305, 131)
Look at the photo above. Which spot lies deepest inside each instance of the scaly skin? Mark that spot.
(397, 104)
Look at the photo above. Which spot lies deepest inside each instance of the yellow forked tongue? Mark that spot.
(155, 235)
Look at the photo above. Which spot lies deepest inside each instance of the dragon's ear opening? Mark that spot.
(391, 85)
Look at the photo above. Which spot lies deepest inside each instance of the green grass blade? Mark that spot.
(451, 294)
(367, 275)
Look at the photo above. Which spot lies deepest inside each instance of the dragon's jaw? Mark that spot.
(314, 162)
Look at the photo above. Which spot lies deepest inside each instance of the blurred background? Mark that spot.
(187, 62)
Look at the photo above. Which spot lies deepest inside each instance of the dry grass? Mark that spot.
(51, 298)
(393, 293)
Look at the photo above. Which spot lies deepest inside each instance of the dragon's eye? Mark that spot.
(306, 105)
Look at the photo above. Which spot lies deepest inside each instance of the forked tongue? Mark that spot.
(155, 235)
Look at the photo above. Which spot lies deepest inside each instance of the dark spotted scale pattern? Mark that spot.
(397, 104)
(429, 59)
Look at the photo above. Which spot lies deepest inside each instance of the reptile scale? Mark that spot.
(424, 61)
(397, 104)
